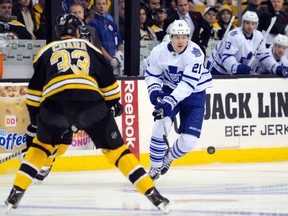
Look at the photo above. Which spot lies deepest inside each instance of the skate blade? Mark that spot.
(164, 208)
(9, 207)
(37, 182)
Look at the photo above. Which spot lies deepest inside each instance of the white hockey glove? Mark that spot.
(114, 63)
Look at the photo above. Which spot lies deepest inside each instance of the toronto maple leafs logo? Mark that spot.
(196, 52)
(174, 75)
(245, 60)
(233, 33)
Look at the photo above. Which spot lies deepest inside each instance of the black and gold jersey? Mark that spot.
(71, 70)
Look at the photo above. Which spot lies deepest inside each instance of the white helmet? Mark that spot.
(250, 16)
(281, 40)
(179, 27)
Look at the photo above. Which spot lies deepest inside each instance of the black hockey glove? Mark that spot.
(31, 133)
(117, 109)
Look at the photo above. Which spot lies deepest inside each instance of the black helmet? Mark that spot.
(67, 24)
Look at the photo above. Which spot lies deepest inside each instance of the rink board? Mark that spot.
(246, 120)
(98, 162)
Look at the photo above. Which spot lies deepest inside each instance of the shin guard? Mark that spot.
(35, 158)
(128, 164)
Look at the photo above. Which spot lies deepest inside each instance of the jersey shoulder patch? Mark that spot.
(233, 33)
(196, 51)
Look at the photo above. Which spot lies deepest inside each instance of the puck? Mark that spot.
(211, 150)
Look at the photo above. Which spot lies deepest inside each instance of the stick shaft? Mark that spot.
(176, 125)
(13, 155)
(165, 135)
(273, 20)
(219, 48)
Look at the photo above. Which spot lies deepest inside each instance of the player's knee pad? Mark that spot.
(128, 164)
(47, 148)
(158, 129)
(114, 155)
(61, 150)
(187, 142)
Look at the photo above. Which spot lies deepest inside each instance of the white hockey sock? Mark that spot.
(182, 146)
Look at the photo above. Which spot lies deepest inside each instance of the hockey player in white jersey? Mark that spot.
(238, 49)
(277, 61)
(176, 76)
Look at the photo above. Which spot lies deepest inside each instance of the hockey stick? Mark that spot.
(13, 155)
(273, 20)
(165, 135)
(239, 7)
(161, 113)
(219, 48)
(176, 125)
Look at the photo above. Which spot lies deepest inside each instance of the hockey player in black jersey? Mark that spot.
(73, 87)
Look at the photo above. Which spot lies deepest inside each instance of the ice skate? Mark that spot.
(41, 175)
(159, 201)
(154, 173)
(166, 162)
(14, 198)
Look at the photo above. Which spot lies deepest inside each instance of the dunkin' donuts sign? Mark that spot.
(14, 117)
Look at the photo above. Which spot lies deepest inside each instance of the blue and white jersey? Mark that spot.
(269, 64)
(183, 72)
(237, 49)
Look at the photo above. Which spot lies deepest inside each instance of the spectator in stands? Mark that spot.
(171, 9)
(9, 23)
(23, 9)
(106, 29)
(160, 16)
(195, 21)
(281, 24)
(88, 32)
(40, 18)
(67, 3)
(210, 16)
(150, 6)
(255, 6)
(122, 17)
(85, 4)
(146, 32)
(108, 34)
(224, 16)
